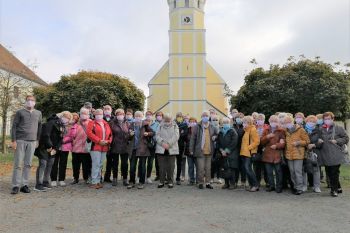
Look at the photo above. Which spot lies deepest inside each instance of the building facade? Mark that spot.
(187, 83)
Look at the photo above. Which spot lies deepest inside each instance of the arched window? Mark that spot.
(187, 3)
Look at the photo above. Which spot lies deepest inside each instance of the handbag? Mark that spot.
(310, 162)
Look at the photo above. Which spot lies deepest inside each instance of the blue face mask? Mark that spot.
(205, 119)
(320, 121)
(226, 126)
(238, 121)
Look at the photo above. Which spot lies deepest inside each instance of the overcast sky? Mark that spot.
(130, 38)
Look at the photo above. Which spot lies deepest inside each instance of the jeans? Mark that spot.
(333, 173)
(277, 168)
(204, 169)
(84, 160)
(44, 170)
(166, 168)
(240, 171)
(296, 173)
(247, 164)
(59, 166)
(97, 158)
(192, 167)
(24, 153)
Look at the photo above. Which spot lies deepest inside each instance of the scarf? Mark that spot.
(203, 135)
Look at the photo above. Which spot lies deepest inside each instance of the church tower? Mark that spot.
(187, 83)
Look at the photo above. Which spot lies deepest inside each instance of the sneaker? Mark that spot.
(334, 194)
(47, 185)
(298, 192)
(140, 186)
(15, 190)
(160, 186)
(170, 186)
(219, 181)
(253, 189)
(62, 183)
(130, 186)
(212, 181)
(340, 190)
(114, 182)
(209, 186)
(317, 190)
(178, 182)
(54, 183)
(25, 189)
(39, 188)
(74, 182)
(149, 181)
(125, 183)
(304, 188)
(182, 179)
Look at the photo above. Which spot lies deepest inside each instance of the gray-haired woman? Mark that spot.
(167, 148)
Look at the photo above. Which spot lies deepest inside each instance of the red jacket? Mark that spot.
(95, 134)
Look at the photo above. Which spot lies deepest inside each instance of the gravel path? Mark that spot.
(182, 209)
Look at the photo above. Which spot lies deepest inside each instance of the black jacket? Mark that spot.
(228, 142)
(51, 136)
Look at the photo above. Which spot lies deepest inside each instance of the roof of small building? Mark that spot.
(10, 63)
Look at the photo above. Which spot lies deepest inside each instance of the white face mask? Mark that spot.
(99, 117)
(120, 117)
(30, 103)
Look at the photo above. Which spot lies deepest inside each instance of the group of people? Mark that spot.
(287, 151)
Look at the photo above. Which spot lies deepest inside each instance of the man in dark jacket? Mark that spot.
(108, 117)
(50, 142)
(238, 127)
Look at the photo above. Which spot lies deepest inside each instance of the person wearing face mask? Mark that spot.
(319, 124)
(140, 132)
(202, 148)
(296, 141)
(119, 147)
(61, 158)
(129, 116)
(80, 155)
(314, 146)
(25, 135)
(99, 132)
(50, 143)
(154, 125)
(187, 142)
(191, 160)
(227, 146)
(183, 128)
(332, 154)
(88, 106)
(240, 172)
(152, 149)
(259, 167)
(273, 140)
(167, 148)
(299, 118)
(234, 113)
(108, 117)
(249, 147)
(216, 161)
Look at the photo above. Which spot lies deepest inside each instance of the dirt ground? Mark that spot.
(182, 209)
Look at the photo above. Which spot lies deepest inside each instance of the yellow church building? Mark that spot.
(187, 83)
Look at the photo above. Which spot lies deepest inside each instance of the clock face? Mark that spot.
(187, 19)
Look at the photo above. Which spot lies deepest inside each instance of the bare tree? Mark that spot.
(13, 89)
